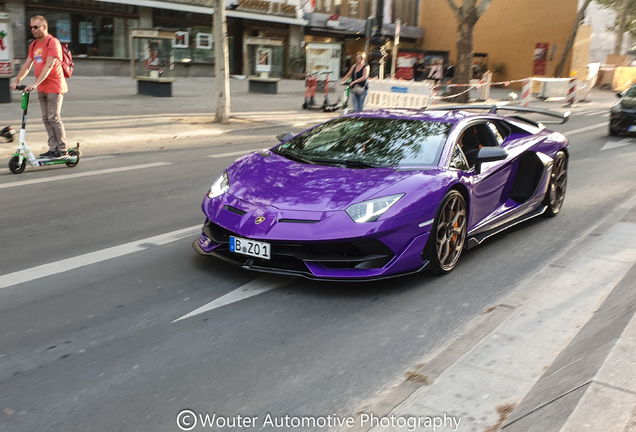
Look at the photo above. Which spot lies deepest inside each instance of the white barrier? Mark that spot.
(390, 93)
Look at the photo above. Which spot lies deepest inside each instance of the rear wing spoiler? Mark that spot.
(492, 109)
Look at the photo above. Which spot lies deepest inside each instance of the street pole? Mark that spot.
(221, 63)
(378, 41)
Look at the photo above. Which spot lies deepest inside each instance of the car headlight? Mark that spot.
(220, 186)
(370, 211)
(617, 108)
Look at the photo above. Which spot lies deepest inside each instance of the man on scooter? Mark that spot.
(46, 54)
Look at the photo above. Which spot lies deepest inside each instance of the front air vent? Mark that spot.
(299, 221)
(234, 210)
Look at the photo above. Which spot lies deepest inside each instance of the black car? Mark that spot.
(623, 113)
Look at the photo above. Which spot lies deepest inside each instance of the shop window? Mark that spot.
(88, 35)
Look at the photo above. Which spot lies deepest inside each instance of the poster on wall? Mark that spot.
(204, 41)
(323, 59)
(63, 30)
(5, 48)
(181, 39)
(404, 67)
(263, 60)
(540, 63)
(85, 32)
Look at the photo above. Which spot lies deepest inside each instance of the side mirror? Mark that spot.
(489, 154)
(284, 136)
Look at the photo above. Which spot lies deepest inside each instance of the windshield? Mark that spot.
(631, 92)
(361, 142)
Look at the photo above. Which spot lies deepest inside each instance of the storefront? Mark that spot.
(98, 31)
(352, 34)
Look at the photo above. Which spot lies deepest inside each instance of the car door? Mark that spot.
(488, 194)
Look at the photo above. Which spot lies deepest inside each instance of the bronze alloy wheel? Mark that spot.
(449, 233)
(558, 182)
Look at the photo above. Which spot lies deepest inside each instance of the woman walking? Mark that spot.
(359, 74)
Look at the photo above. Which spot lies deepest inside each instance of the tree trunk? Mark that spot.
(467, 16)
(221, 64)
(464, 59)
(558, 70)
(621, 27)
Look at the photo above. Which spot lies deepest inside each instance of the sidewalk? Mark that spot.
(105, 113)
(558, 354)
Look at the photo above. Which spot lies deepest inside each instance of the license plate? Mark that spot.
(253, 248)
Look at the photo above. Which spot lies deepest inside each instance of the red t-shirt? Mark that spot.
(39, 52)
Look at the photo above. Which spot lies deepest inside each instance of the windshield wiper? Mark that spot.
(349, 163)
(293, 156)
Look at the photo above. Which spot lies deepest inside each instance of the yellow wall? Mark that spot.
(507, 32)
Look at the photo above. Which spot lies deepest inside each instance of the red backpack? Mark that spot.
(67, 58)
(67, 61)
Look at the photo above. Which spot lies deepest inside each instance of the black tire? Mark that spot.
(558, 182)
(73, 153)
(448, 236)
(15, 166)
(613, 131)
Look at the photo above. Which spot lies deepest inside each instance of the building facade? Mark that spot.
(514, 39)
(98, 31)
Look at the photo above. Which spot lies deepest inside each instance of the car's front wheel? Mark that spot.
(448, 236)
(613, 131)
(558, 182)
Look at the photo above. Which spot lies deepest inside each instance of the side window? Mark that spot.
(473, 138)
(500, 131)
(458, 160)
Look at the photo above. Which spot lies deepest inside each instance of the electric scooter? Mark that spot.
(342, 102)
(311, 83)
(7, 133)
(23, 154)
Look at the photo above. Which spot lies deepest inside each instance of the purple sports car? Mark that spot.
(383, 193)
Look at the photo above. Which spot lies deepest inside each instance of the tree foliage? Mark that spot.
(617, 6)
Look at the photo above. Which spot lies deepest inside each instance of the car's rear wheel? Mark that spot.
(558, 182)
(448, 236)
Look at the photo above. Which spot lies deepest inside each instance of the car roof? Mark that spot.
(447, 116)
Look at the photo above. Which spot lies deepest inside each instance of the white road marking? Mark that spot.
(595, 113)
(236, 153)
(256, 287)
(73, 263)
(83, 174)
(92, 158)
(585, 129)
(614, 144)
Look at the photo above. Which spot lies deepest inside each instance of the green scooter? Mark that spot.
(23, 154)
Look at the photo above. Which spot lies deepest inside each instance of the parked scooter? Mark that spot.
(342, 102)
(23, 154)
(311, 83)
(7, 132)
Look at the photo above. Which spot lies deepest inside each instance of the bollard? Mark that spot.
(571, 92)
(526, 92)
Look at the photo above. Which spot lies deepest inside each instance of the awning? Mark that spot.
(209, 11)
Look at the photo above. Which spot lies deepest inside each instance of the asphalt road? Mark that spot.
(101, 294)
